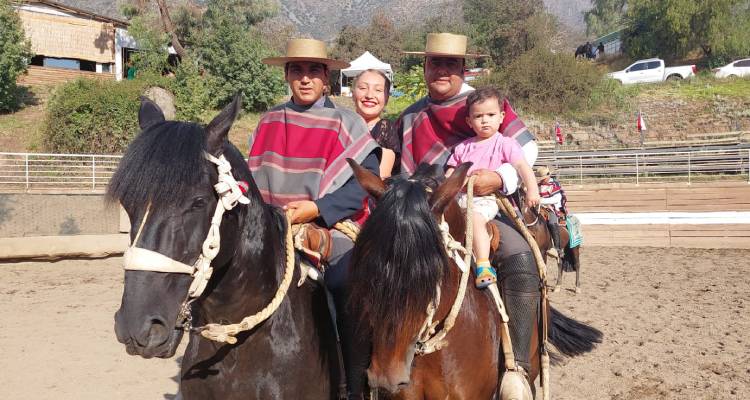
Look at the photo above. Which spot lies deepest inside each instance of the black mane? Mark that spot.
(398, 259)
(163, 162)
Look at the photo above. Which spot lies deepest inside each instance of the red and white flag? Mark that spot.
(558, 134)
(641, 123)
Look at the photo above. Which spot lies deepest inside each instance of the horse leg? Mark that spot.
(559, 275)
(577, 259)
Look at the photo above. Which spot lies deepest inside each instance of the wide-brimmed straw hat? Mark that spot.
(446, 45)
(541, 173)
(306, 50)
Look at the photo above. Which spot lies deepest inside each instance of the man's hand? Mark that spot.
(302, 211)
(487, 182)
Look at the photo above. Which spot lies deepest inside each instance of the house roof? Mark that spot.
(100, 10)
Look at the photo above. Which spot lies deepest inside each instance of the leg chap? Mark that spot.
(520, 285)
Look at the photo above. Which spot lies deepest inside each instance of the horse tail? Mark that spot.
(568, 261)
(570, 337)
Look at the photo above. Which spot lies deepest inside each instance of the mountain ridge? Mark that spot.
(323, 19)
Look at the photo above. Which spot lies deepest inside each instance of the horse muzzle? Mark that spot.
(153, 338)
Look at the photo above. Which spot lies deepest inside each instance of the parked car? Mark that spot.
(652, 70)
(737, 68)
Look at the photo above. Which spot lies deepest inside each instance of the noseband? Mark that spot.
(140, 259)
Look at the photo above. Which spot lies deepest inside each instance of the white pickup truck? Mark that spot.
(652, 70)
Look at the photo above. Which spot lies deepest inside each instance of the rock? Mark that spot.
(164, 99)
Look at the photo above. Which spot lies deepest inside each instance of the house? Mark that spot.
(73, 39)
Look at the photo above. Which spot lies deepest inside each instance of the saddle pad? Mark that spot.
(574, 228)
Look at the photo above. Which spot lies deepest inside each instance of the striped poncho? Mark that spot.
(431, 129)
(299, 153)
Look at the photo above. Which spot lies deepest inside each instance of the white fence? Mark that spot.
(644, 167)
(34, 171)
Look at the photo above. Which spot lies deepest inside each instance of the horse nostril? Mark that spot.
(403, 385)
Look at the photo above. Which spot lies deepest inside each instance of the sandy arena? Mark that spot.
(674, 320)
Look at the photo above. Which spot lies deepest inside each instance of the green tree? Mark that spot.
(15, 53)
(380, 37)
(547, 83)
(606, 16)
(228, 48)
(503, 28)
(672, 29)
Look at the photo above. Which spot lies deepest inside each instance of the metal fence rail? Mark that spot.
(35, 171)
(26, 171)
(650, 166)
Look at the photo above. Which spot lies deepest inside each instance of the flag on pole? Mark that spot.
(641, 123)
(558, 134)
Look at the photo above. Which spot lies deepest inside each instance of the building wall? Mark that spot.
(24, 214)
(49, 76)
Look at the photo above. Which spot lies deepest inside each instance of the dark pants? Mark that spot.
(520, 284)
(356, 348)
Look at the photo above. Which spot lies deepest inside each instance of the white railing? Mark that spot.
(31, 171)
(641, 167)
(35, 171)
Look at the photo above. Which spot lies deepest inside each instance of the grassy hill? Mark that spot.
(675, 112)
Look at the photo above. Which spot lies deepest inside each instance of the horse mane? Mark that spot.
(398, 260)
(163, 162)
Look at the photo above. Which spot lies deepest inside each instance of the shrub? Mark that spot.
(411, 83)
(547, 83)
(15, 52)
(92, 116)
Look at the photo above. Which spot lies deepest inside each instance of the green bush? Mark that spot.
(411, 83)
(547, 83)
(92, 116)
(15, 52)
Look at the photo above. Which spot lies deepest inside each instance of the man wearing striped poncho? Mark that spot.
(429, 129)
(298, 159)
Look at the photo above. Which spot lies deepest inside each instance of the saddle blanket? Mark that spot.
(574, 229)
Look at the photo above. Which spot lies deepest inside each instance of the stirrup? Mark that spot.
(486, 276)
(515, 386)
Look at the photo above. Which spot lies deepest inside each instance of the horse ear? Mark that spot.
(369, 181)
(218, 129)
(149, 113)
(449, 189)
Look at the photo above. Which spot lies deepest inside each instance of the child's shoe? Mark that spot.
(486, 275)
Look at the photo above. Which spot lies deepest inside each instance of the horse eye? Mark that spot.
(198, 203)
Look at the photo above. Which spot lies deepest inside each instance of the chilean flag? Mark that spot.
(641, 123)
(558, 134)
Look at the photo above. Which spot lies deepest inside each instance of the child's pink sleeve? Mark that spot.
(512, 151)
(454, 160)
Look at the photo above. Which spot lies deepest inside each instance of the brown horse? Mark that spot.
(400, 267)
(536, 223)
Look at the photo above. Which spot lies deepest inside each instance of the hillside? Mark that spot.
(676, 114)
(324, 18)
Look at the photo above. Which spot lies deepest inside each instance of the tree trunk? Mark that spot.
(169, 28)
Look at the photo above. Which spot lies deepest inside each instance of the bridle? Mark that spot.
(140, 259)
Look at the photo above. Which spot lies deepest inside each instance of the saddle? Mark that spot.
(314, 243)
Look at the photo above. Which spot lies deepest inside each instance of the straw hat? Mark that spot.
(306, 50)
(446, 45)
(541, 173)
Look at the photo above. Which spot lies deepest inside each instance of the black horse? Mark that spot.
(165, 184)
(585, 50)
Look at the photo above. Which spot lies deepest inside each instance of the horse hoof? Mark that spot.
(578, 290)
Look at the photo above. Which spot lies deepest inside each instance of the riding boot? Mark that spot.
(520, 285)
(355, 345)
(555, 232)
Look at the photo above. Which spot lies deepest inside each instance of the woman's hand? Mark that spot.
(487, 182)
(533, 199)
(302, 211)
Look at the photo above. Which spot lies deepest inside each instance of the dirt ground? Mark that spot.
(674, 320)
